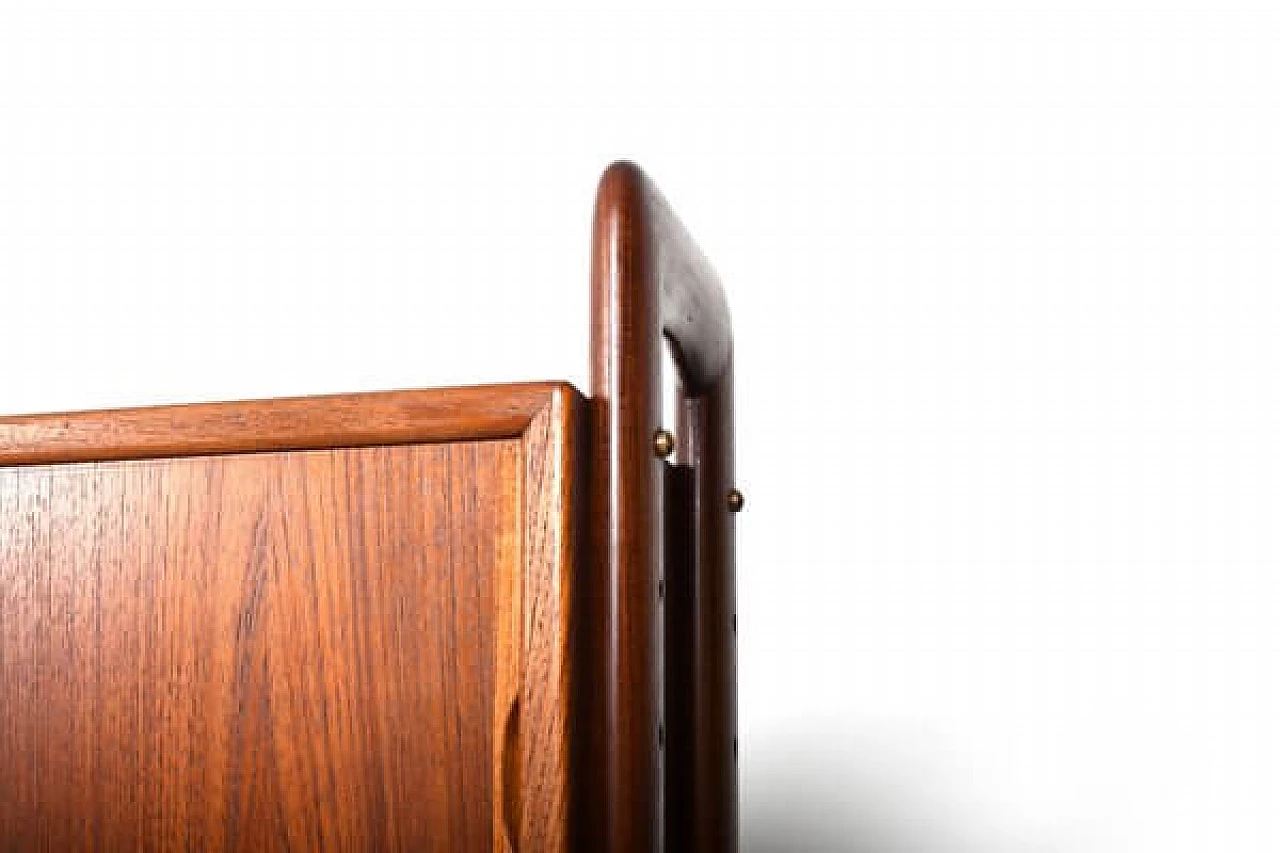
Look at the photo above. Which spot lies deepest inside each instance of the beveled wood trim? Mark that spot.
(536, 663)
(541, 756)
(292, 423)
(508, 667)
(650, 282)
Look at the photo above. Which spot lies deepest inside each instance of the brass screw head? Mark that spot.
(736, 500)
(663, 443)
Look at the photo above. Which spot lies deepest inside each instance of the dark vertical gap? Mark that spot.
(679, 609)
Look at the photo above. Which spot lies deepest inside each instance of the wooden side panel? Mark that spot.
(296, 650)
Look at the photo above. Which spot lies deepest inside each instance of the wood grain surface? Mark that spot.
(292, 423)
(356, 648)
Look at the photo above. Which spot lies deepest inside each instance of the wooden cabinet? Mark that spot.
(471, 619)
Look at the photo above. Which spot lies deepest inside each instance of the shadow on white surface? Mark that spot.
(807, 793)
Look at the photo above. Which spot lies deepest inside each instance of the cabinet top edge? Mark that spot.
(361, 419)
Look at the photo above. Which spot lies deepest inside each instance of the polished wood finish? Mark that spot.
(297, 423)
(540, 759)
(359, 647)
(650, 283)
(471, 619)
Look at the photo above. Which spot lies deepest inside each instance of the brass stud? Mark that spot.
(663, 443)
(736, 500)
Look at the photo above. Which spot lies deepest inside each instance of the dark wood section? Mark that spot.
(650, 283)
(701, 682)
(343, 649)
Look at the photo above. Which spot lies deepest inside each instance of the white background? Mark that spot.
(1005, 294)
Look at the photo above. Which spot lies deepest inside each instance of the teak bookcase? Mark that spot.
(468, 619)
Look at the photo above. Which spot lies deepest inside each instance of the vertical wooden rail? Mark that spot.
(650, 282)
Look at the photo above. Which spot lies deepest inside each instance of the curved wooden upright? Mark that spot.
(668, 770)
